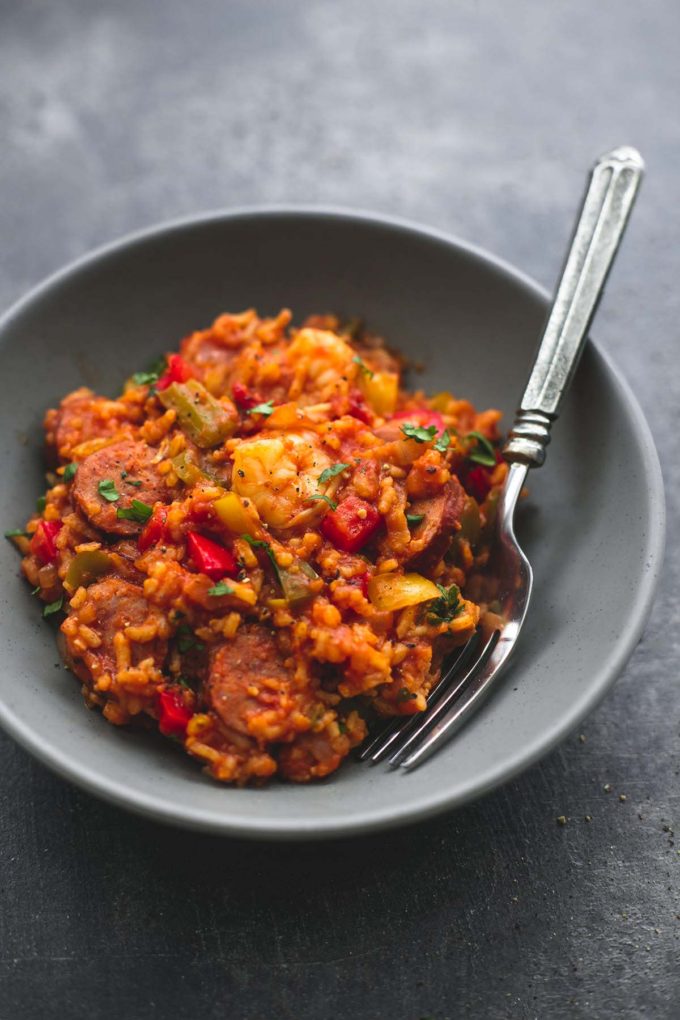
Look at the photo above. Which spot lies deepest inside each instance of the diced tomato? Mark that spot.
(243, 397)
(358, 407)
(178, 370)
(352, 525)
(42, 543)
(155, 530)
(422, 416)
(478, 483)
(173, 714)
(210, 558)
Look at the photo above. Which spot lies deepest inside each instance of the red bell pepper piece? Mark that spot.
(358, 408)
(478, 483)
(243, 397)
(361, 581)
(155, 530)
(422, 416)
(210, 558)
(352, 525)
(173, 714)
(42, 543)
(178, 370)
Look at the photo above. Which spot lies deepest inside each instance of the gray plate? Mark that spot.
(592, 527)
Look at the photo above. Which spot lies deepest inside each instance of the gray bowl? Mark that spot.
(592, 527)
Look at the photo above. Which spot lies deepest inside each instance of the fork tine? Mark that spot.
(443, 705)
(377, 748)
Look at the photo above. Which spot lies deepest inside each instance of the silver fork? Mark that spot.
(613, 185)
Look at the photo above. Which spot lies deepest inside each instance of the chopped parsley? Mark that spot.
(483, 452)
(155, 371)
(449, 605)
(421, 433)
(134, 482)
(186, 639)
(363, 367)
(184, 681)
(137, 511)
(327, 499)
(145, 378)
(331, 472)
(413, 519)
(53, 607)
(258, 543)
(443, 442)
(108, 491)
(41, 503)
(266, 408)
(70, 472)
(220, 589)
(16, 533)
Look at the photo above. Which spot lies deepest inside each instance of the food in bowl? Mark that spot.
(261, 546)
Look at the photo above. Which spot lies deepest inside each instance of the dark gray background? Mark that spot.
(480, 119)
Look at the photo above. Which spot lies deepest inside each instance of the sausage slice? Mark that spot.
(118, 605)
(431, 538)
(129, 467)
(235, 666)
(83, 416)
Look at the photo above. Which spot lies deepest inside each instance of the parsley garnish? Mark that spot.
(137, 511)
(41, 503)
(108, 491)
(483, 452)
(258, 543)
(220, 589)
(53, 607)
(155, 371)
(331, 472)
(70, 471)
(363, 367)
(184, 681)
(134, 482)
(443, 609)
(266, 409)
(443, 442)
(16, 533)
(36, 590)
(414, 518)
(327, 499)
(421, 433)
(186, 639)
(145, 378)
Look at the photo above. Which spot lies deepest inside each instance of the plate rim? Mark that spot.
(281, 829)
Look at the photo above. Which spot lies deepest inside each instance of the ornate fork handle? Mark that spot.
(614, 182)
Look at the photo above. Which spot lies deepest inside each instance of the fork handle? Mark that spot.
(613, 185)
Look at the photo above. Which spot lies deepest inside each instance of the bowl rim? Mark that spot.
(361, 823)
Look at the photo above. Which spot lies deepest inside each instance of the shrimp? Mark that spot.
(319, 359)
(278, 472)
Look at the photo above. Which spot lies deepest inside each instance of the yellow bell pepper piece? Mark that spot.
(380, 390)
(231, 511)
(389, 592)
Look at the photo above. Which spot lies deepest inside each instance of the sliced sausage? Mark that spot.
(83, 416)
(431, 538)
(129, 466)
(253, 656)
(118, 605)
